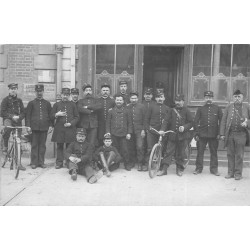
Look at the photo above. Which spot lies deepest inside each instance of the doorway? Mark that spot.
(163, 69)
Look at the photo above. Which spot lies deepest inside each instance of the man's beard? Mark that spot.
(209, 102)
(105, 95)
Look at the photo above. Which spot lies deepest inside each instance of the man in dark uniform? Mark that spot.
(38, 119)
(136, 143)
(88, 108)
(154, 118)
(79, 154)
(123, 91)
(66, 116)
(148, 96)
(207, 131)
(12, 112)
(119, 126)
(234, 130)
(106, 103)
(181, 121)
(74, 95)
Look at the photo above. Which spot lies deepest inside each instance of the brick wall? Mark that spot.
(20, 66)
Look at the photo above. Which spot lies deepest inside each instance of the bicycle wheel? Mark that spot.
(16, 159)
(154, 160)
(187, 155)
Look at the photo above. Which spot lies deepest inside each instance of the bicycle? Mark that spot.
(14, 152)
(156, 155)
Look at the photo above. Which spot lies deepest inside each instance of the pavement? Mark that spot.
(54, 187)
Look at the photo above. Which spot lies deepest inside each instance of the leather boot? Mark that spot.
(163, 171)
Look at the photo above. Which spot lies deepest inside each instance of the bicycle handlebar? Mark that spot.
(169, 131)
(17, 127)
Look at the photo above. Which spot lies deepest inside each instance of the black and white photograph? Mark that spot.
(131, 119)
(130, 114)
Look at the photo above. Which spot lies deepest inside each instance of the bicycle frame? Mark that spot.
(156, 154)
(14, 153)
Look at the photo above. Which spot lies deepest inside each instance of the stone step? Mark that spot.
(222, 158)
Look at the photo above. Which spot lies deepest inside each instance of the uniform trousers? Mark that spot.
(82, 169)
(235, 152)
(213, 147)
(175, 148)
(38, 147)
(59, 153)
(136, 148)
(121, 145)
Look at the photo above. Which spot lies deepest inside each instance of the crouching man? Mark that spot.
(79, 153)
(107, 157)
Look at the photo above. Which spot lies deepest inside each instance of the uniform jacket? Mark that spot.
(207, 121)
(106, 150)
(155, 116)
(228, 117)
(106, 104)
(63, 134)
(38, 115)
(175, 121)
(88, 116)
(12, 106)
(137, 113)
(147, 105)
(83, 150)
(119, 122)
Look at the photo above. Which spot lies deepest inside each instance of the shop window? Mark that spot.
(114, 63)
(105, 58)
(229, 70)
(125, 59)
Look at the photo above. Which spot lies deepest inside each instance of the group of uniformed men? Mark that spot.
(108, 130)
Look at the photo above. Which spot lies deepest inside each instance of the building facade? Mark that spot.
(175, 68)
(188, 69)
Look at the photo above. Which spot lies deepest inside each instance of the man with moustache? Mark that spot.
(136, 143)
(207, 131)
(234, 128)
(79, 154)
(154, 118)
(39, 122)
(119, 126)
(123, 91)
(106, 103)
(148, 96)
(88, 108)
(180, 121)
(65, 115)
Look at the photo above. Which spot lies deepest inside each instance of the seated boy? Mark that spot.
(107, 156)
(79, 153)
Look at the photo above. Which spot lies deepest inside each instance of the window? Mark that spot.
(229, 69)
(114, 63)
